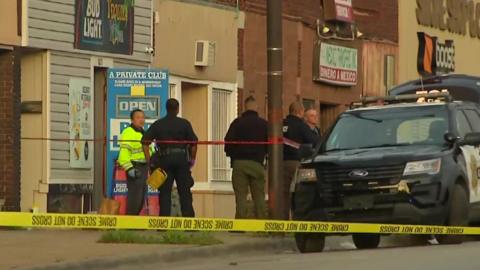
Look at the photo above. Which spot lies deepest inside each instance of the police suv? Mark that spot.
(405, 159)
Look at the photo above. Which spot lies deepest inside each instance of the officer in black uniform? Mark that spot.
(176, 159)
(296, 133)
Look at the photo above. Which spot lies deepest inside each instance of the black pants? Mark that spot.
(177, 168)
(136, 190)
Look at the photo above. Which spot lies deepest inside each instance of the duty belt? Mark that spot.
(169, 151)
(139, 163)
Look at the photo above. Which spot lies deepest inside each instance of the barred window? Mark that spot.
(221, 118)
(172, 90)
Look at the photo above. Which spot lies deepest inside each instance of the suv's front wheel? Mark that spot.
(310, 242)
(457, 215)
(366, 240)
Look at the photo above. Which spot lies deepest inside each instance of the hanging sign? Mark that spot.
(104, 25)
(338, 10)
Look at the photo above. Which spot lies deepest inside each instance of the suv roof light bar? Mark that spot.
(385, 100)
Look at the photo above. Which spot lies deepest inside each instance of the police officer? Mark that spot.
(296, 133)
(132, 159)
(176, 159)
(247, 160)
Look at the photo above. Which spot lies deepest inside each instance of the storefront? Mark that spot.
(64, 72)
(198, 44)
(438, 37)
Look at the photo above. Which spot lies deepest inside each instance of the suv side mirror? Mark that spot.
(306, 151)
(450, 138)
(471, 139)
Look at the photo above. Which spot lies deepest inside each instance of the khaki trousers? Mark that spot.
(248, 174)
(289, 169)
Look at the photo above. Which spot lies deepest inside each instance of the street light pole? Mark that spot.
(275, 114)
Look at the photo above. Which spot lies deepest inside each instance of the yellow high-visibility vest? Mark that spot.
(131, 149)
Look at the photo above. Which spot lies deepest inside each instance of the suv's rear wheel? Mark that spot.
(366, 240)
(310, 242)
(457, 215)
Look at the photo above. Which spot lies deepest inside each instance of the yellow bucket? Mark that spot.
(157, 178)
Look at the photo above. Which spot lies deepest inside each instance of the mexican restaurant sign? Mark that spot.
(337, 65)
(104, 25)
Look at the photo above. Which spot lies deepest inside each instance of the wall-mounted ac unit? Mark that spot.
(204, 53)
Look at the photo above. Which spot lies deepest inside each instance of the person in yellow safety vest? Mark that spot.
(132, 159)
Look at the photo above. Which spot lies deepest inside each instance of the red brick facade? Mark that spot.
(9, 131)
(375, 18)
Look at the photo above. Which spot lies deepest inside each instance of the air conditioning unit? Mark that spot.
(204, 53)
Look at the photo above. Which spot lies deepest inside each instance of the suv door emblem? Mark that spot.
(358, 173)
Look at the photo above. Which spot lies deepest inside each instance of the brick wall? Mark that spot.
(375, 18)
(240, 48)
(9, 131)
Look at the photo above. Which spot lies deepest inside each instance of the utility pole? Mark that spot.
(277, 202)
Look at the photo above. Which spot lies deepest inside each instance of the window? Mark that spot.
(221, 118)
(389, 72)
(421, 130)
(474, 119)
(389, 127)
(462, 124)
(172, 90)
(328, 115)
(308, 103)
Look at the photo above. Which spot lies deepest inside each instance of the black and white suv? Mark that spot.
(407, 159)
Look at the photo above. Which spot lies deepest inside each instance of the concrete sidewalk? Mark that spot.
(23, 249)
(78, 249)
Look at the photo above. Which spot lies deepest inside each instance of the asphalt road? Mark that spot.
(342, 256)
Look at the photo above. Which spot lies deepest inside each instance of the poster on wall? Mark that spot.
(129, 89)
(80, 123)
(104, 25)
(338, 65)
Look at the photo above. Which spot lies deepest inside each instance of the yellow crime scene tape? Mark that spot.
(81, 221)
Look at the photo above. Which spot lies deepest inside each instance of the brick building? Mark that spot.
(9, 131)
(10, 38)
(376, 19)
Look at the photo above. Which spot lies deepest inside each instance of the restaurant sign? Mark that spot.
(104, 25)
(337, 65)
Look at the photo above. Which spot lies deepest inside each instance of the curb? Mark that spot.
(276, 244)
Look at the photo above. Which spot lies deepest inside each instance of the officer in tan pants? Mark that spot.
(247, 160)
